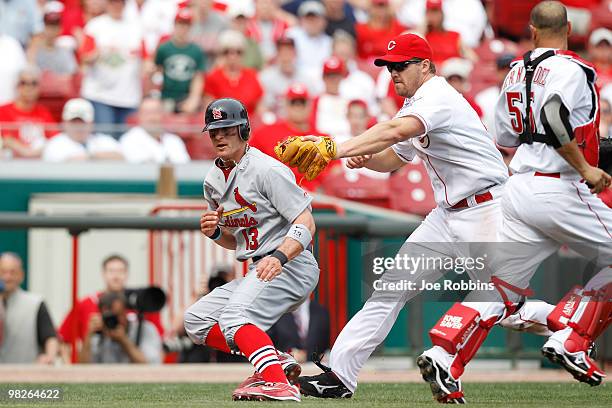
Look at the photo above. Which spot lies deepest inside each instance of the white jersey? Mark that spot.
(460, 156)
(62, 147)
(562, 75)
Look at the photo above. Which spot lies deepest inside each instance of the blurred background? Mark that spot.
(101, 111)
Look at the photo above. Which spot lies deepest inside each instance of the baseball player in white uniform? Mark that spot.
(547, 203)
(256, 209)
(467, 173)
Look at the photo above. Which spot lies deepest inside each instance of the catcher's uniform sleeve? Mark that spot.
(289, 199)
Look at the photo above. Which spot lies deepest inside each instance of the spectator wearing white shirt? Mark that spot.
(312, 44)
(114, 53)
(329, 110)
(78, 142)
(357, 84)
(277, 77)
(14, 60)
(155, 17)
(487, 98)
(149, 142)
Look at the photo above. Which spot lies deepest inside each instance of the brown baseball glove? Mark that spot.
(309, 157)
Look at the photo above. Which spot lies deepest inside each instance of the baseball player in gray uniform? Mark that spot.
(256, 208)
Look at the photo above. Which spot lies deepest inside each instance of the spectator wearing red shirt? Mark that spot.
(115, 274)
(25, 124)
(296, 123)
(600, 54)
(231, 79)
(373, 36)
(77, 13)
(445, 44)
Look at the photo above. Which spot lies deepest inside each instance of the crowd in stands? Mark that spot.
(104, 330)
(148, 68)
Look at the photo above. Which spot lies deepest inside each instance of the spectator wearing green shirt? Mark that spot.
(182, 63)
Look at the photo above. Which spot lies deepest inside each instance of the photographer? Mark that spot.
(113, 336)
(115, 271)
(26, 331)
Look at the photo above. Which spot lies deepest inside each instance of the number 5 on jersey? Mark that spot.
(250, 238)
(516, 118)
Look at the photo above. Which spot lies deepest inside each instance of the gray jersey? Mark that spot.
(260, 200)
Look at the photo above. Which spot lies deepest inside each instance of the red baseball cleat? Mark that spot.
(268, 392)
(290, 366)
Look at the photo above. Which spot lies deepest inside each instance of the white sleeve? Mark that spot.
(132, 149)
(569, 83)
(103, 144)
(405, 150)
(434, 114)
(178, 152)
(53, 151)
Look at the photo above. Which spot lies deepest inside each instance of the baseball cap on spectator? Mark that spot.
(311, 8)
(231, 39)
(297, 91)
(184, 15)
(53, 12)
(503, 61)
(599, 35)
(434, 5)
(285, 41)
(405, 47)
(334, 65)
(242, 8)
(358, 102)
(456, 67)
(78, 108)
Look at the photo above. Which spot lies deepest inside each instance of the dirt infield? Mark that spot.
(230, 373)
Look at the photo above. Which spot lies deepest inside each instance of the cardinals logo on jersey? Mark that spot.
(242, 202)
(217, 114)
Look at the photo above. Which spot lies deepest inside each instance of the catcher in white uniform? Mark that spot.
(547, 203)
(467, 173)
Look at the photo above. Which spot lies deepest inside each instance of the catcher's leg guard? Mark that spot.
(460, 332)
(560, 316)
(569, 347)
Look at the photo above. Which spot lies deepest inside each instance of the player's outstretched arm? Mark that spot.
(383, 162)
(381, 136)
(209, 225)
(299, 237)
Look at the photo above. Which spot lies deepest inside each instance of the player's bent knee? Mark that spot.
(197, 327)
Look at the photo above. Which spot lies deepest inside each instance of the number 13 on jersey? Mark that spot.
(250, 238)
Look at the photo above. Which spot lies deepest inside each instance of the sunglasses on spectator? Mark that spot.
(23, 82)
(232, 51)
(297, 102)
(400, 66)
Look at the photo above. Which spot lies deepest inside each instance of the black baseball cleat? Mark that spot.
(579, 365)
(444, 388)
(324, 385)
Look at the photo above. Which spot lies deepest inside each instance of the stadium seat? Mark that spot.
(411, 190)
(189, 128)
(358, 187)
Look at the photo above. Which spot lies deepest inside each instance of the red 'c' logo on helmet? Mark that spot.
(216, 113)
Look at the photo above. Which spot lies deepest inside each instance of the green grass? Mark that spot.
(368, 396)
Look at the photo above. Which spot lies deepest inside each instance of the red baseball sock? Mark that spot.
(216, 340)
(258, 348)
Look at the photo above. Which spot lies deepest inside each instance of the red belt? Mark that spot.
(479, 198)
(553, 175)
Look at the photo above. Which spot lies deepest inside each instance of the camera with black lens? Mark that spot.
(110, 320)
